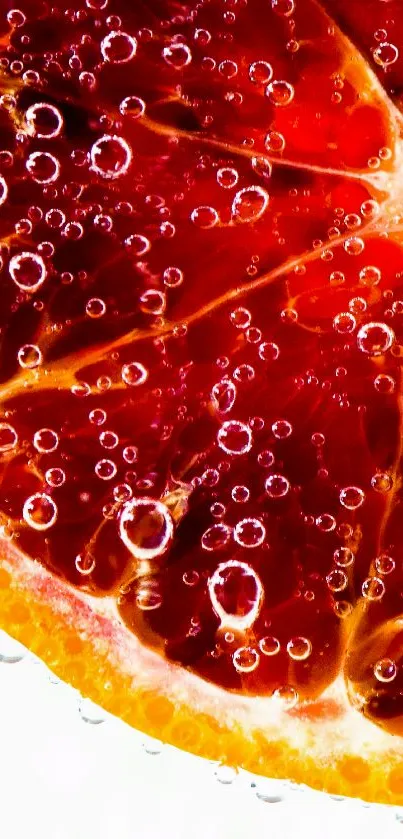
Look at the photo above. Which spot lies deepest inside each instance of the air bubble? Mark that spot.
(343, 556)
(137, 244)
(373, 588)
(286, 697)
(28, 271)
(146, 528)
(385, 564)
(227, 177)
(40, 511)
(375, 338)
(337, 580)
(274, 141)
(385, 670)
(382, 482)
(43, 167)
(55, 477)
(236, 594)
(216, 537)
(249, 204)
(277, 486)
(354, 246)
(269, 645)
(8, 437)
(299, 648)
(280, 93)
(105, 469)
(249, 533)
(344, 323)
(352, 497)
(134, 374)
(285, 8)
(95, 307)
(110, 156)
(118, 47)
(240, 494)
(370, 275)
(177, 55)
(45, 440)
(132, 106)
(245, 659)
(260, 72)
(235, 437)
(385, 54)
(85, 564)
(241, 318)
(204, 217)
(44, 121)
(281, 429)
(268, 351)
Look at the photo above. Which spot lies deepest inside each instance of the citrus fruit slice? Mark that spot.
(200, 366)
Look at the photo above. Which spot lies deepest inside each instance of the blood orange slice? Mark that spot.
(201, 401)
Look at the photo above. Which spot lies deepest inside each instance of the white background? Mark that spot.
(62, 777)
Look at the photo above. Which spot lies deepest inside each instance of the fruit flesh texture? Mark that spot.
(239, 259)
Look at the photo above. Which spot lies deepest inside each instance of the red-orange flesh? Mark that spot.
(200, 372)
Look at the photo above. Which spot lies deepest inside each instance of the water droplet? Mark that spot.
(352, 497)
(146, 528)
(385, 670)
(90, 713)
(28, 271)
(44, 120)
(277, 486)
(40, 511)
(280, 93)
(11, 651)
(110, 156)
(245, 659)
(134, 374)
(373, 588)
(375, 338)
(299, 648)
(226, 774)
(234, 437)
(249, 533)
(118, 47)
(216, 537)
(249, 204)
(236, 594)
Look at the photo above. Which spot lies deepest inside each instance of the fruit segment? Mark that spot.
(201, 345)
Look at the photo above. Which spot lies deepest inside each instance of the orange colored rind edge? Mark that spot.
(326, 744)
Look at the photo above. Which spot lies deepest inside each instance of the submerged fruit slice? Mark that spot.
(201, 401)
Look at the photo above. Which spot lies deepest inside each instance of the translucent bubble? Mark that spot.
(236, 594)
(46, 440)
(228, 68)
(40, 511)
(268, 351)
(382, 482)
(344, 323)
(55, 477)
(249, 533)
(173, 277)
(262, 166)
(29, 356)
(137, 244)
(354, 246)
(342, 609)
(148, 596)
(336, 278)
(3, 190)
(357, 305)
(375, 338)
(204, 217)
(227, 177)
(385, 564)
(44, 120)
(269, 645)
(146, 528)
(132, 106)
(27, 270)
(43, 167)
(97, 416)
(281, 429)
(370, 275)
(385, 670)
(385, 54)
(260, 72)
(337, 580)
(286, 697)
(108, 439)
(16, 17)
(85, 564)
(284, 8)
(274, 141)
(235, 437)
(343, 556)
(118, 47)
(299, 648)
(105, 469)
(249, 204)
(8, 437)
(245, 659)
(244, 373)
(277, 486)
(280, 93)
(177, 55)
(110, 156)
(240, 494)
(95, 307)
(373, 588)
(265, 458)
(370, 208)
(134, 374)
(130, 454)
(352, 497)
(191, 577)
(241, 318)
(216, 537)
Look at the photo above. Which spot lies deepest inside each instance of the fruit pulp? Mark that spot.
(201, 347)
